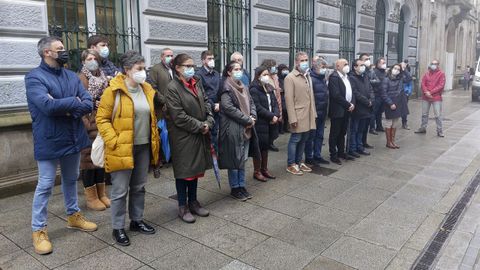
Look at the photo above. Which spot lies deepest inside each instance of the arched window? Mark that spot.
(379, 49)
(347, 30)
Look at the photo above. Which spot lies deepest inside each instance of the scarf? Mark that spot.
(243, 100)
(96, 84)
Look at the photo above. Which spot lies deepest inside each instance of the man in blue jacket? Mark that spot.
(313, 145)
(211, 83)
(57, 101)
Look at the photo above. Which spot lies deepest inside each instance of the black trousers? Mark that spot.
(186, 188)
(92, 177)
(336, 138)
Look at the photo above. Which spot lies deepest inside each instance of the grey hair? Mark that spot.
(46, 43)
(130, 58)
(298, 54)
(166, 49)
(234, 54)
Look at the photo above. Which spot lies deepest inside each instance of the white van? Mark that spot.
(476, 83)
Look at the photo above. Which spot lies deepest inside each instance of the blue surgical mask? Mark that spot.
(168, 59)
(304, 66)
(285, 72)
(237, 75)
(188, 72)
(104, 52)
(322, 71)
(273, 70)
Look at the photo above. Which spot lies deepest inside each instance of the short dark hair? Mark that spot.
(229, 67)
(378, 60)
(205, 54)
(363, 54)
(46, 43)
(269, 63)
(95, 39)
(179, 60)
(355, 62)
(130, 58)
(258, 72)
(282, 67)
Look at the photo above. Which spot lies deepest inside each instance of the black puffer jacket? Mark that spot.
(392, 93)
(266, 132)
(320, 92)
(363, 92)
(377, 88)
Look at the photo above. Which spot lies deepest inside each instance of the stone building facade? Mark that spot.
(397, 29)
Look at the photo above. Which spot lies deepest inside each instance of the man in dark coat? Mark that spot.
(374, 82)
(362, 90)
(313, 146)
(57, 101)
(210, 79)
(378, 106)
(341, 103)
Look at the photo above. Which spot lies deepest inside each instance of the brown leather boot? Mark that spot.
(91, 197)
(264, 166)
(388, 135)
(185, 215)
(393, 132)
(257, 174)
(102, 195)
(197, 209)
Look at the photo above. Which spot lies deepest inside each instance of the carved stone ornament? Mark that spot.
(368, 7)
(394, 15)
(335, 3)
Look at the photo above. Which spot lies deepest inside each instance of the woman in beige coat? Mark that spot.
(301, 111)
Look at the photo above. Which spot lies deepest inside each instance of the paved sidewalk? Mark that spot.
(377, 212)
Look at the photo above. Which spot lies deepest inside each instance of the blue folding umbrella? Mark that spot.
(216, 169)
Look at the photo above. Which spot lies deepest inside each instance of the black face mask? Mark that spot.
(62, 57)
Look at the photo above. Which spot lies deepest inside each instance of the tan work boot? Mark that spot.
(91, 196)
(102, 195)
(41, 243)
(79, 222)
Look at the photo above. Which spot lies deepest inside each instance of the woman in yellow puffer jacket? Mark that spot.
(131, 143)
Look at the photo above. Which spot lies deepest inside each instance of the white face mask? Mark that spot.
(384, 66)
(211, 64)
(433, 67)
(265, 79)
(346, 69)
(362, 69)
(367, 63)
(139, 76)
(395, 72)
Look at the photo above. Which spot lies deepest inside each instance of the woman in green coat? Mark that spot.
(189, 123)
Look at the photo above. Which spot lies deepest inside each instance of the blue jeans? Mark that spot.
(313, 146)
(296, 147)
(236, 178)
(376, 120)
(357, 127)
(47, 170)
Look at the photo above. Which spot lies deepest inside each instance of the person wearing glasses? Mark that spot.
(189, 126)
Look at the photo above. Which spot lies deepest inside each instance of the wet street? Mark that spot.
(377, 212)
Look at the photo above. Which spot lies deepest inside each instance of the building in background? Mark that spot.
(417, 30)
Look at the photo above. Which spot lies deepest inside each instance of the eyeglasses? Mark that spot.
(188, 66)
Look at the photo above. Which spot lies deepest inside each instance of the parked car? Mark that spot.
(476, 83)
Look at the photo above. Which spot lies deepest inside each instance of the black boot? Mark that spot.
(121, 237)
